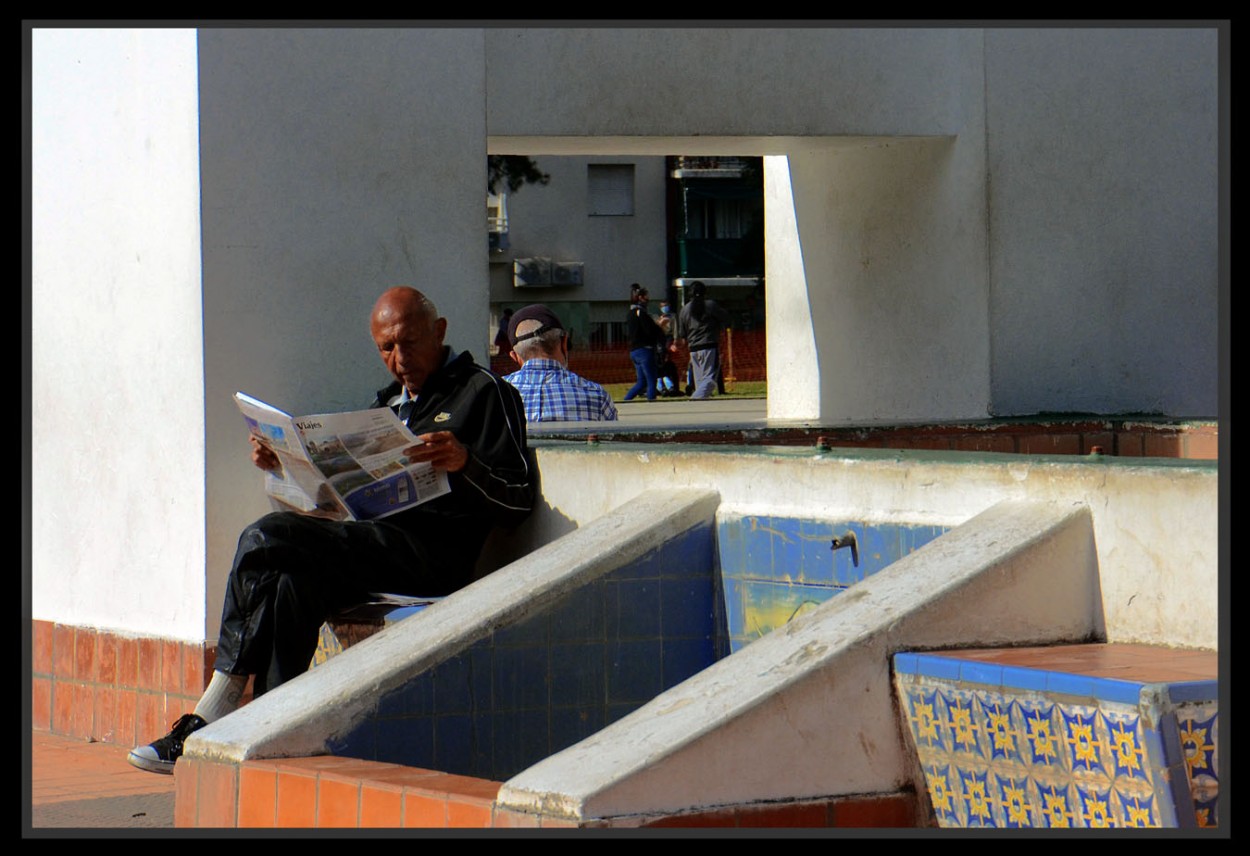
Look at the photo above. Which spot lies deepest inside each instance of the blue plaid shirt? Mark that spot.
(552, 393)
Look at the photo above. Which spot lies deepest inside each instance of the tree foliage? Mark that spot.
(512, 172)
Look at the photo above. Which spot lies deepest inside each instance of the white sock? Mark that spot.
(221, 697)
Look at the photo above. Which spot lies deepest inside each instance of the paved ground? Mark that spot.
(80, 785)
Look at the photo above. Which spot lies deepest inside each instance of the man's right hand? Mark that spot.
(263, 456)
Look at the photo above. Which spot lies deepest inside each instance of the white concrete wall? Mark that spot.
(1056, 254)
(336, 163)
(117, 424)
(1155, 523)
(1103, 183)
(1046, 243)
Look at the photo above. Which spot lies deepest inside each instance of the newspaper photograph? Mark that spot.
(342, 466)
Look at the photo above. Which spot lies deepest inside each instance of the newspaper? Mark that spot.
(341, 466)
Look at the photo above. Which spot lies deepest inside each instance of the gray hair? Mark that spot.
(544, 345)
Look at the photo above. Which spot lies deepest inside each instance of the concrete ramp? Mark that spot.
(808, 710)
(372, 686)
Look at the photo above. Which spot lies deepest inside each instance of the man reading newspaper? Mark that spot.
(292, 570)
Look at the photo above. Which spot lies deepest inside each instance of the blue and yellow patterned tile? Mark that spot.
(1136, 811)
(976, 801)
(1056, 806)
(1043, 736)
(1080, 737)
(943, 793)
(963, 732)
(1126, 750)
(1001, 726)
(925, 713)
(1094, 807)
(1016, 809)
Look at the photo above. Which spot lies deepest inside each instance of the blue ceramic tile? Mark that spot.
(392, 703)
(453, 744)
(905, 664)
(617, 711)
(787, 549)
(520, 740)
(571, 725)
(878, 547)
(459, 687)
(1085, 749)
(529, 631)
(483, 748)
(1068, 684)
(973, 672)
(520, 679)
(408, 741)
(1185, 691)
(1109, 689)
(645, 567)
(758, 544)
(578, 676)
(632, 609)
(932, 666)
(360, 742)
(816, 559)
(1016, 677)
(634, 670)
(735, 601)
(687, 607)
(731, 547)
(579, 616)
(689, 553)
(770, 605)
(684, 658)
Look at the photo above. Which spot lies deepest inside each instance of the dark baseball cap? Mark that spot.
(533, 312)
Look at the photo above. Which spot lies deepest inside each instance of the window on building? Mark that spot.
(610, 189)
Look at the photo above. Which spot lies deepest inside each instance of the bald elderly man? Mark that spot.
(291, 571)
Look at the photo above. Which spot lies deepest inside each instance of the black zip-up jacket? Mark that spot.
(642, 329)
(498, 485)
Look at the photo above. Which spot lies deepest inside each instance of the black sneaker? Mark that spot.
(159, 756)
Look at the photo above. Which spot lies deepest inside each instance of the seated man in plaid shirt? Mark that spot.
(550, 392)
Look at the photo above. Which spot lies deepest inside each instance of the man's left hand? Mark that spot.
(440, 448)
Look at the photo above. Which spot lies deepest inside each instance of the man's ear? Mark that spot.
(516, 359)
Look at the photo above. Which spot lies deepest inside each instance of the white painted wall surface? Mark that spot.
(1103, 193)
(117, 492)
(337, 163)
(1050, 246)
(1155, 522)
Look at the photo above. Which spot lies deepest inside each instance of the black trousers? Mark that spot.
(291, 572)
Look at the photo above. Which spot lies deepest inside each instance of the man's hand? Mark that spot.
(440, 448)
(263, 456)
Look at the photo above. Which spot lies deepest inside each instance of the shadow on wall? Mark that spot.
(544, 525)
